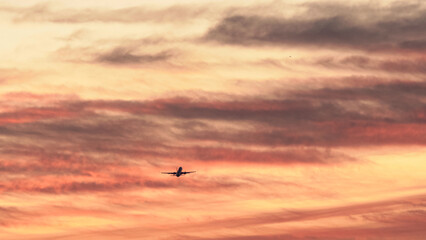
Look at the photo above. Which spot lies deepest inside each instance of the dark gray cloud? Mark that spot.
(414, 44)
(385, 102)
(378, 114)
(130, 52)
(121, 55)
(372, 114)
(232, 155)
(346, 27)
(258, 30)
(398, 65)
(75, 140)
(75, 137)
(73, 147)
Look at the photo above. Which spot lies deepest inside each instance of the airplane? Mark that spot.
(178, 172)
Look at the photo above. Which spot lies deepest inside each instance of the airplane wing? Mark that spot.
(188, 172)
(168, 172)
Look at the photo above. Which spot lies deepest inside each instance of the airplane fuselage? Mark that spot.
(179, 172)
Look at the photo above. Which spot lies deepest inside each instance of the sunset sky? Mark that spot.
(305, 120)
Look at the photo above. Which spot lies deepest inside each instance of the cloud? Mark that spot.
(351, 134)
(397, 101)
(111, 177)
(290, 156)
(374, 114)
(91, 138)
(414, 45)
(262, 237)
(398, 218)
(11, 216)
(121, 55)
(47, 13)
(36, 113)
(345, 27)
(397, 65)
(61, 185)
(379, 219)
(83, 155)
(15, 75)
(378, 114)
(258, 30)
(128, 53)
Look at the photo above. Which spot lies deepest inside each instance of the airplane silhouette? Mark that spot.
(178, 172)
